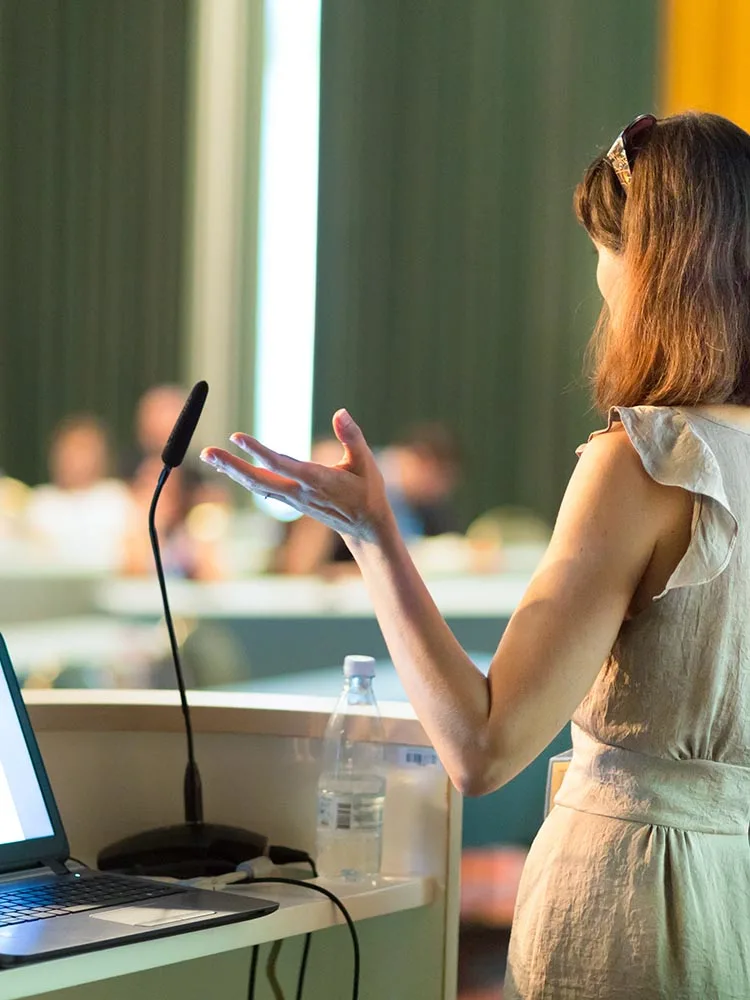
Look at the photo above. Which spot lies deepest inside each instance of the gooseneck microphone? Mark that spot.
(179, 440)
(193, 848)
(172, 456)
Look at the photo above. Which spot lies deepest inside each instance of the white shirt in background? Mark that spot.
(81, 528)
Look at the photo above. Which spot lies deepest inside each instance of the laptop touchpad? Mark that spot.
(151, 916)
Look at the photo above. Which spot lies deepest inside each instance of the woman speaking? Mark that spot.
(635, 624)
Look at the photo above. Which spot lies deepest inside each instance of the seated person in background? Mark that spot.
(155, 416)
(80, 516)
(421, 472)
(182, 552)
(14, 498)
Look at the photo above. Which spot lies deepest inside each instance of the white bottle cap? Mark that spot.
(359, 666)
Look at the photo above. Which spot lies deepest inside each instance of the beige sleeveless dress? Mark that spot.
(637, 886)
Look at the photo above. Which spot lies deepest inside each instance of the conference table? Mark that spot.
(268, 626)
(110, 632)
(33, 589)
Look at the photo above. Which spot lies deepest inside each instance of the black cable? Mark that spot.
(337, 903)
(253, 972)
(306, 947)
(301, 856)
(285, 855)
(303, 966)
(281, 855)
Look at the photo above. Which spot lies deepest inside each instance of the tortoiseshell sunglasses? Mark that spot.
(627, 145)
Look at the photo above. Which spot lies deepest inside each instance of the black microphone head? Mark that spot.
(184, 428)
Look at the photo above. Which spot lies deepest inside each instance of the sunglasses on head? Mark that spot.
(627, 145)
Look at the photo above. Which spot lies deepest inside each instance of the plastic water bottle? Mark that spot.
(351, 790)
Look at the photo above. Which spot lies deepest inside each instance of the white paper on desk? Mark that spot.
(151, 916)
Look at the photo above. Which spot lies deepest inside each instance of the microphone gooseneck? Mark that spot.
(172, 456)
(192, 789)
(192, 848)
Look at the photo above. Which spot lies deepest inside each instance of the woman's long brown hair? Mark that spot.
(681, 333)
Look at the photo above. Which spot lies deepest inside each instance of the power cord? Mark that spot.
(280, 855)
(303, 966)
(273, 979)
(277, 855)
(253, 972)
(306, 946)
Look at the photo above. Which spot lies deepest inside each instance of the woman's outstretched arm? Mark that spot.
(486, 729)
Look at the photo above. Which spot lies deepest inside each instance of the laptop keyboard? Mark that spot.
(69, 894)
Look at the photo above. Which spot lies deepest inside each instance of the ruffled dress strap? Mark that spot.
(674, 453)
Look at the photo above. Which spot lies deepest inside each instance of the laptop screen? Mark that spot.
(23, 813)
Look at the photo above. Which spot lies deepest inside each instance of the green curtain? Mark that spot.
(453, 281)
(93, 102)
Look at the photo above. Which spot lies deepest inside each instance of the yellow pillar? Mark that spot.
(705, 58)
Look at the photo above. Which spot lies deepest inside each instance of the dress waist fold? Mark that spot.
(702, 795)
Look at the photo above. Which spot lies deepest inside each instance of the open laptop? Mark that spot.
(46, 910)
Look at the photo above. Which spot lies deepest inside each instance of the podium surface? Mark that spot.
(116, 762)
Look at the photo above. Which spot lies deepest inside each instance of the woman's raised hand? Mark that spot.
(349, 497)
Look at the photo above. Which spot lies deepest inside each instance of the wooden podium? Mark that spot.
(116, 761)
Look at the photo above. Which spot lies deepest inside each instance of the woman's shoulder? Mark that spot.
(673, 420)
(668, 443)
(672, 451)
(623, 455)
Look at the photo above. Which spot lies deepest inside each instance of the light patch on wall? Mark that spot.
(287, 231)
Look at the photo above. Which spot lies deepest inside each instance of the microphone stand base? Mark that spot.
(185, 850)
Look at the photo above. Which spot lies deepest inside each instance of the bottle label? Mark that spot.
(335, 812)
(343, 812)
(417, 757)
(358, 811)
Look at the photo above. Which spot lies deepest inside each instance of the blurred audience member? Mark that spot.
(184, 553)
(14, 499)
(421, 472)
(80, 516)
(309, 546)
(155, 416)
